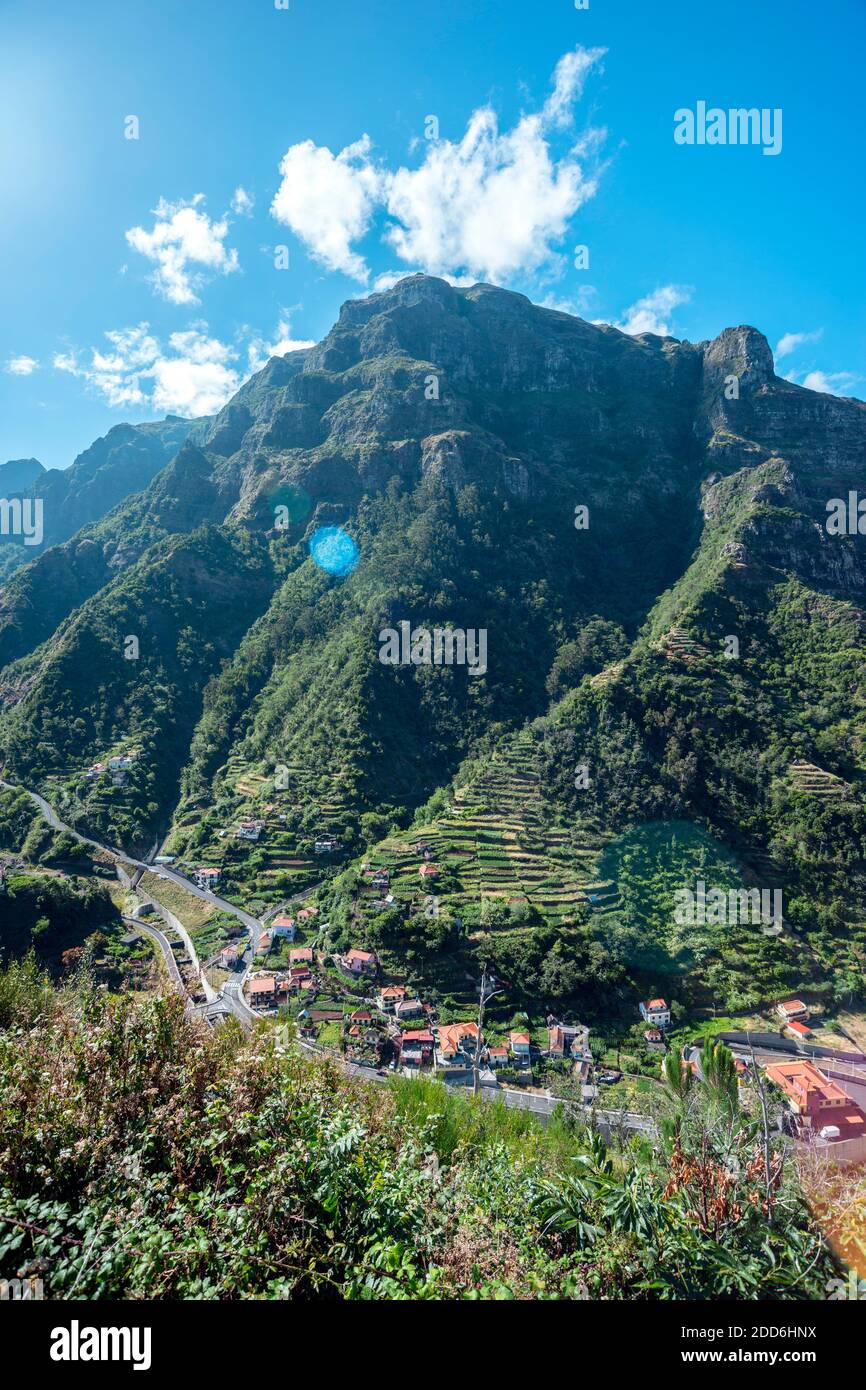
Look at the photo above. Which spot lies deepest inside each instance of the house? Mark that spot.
(416, 1048)
(388, 998)
(567, 1039)
(408, 1008)
(799, 1031)
(361, 1016)
(359, 962)
(429, 870)
(249, 829)
(520, 1048)
(120, 764)
(206, 876)
(455, 1048)
(301, 955)
(818, 1104)
(262, 991)
(425, 849)
(228, 957)
(653, 1037)
(382, 904)
(306, 913)
(656, 1013)
(326, 845)
(95, 770)
(266, 941)
(381, 879)
(456, 1044)
(792, 1008)
(497, 1056)
(284, 926)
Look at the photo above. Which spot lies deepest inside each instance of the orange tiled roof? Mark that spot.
(797, 1079)
(263, 985)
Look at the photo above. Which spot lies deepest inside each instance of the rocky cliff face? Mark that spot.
(454, 432)
(121, 463)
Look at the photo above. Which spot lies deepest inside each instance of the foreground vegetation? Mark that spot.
(143, 1155)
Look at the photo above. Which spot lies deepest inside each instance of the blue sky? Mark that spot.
(149, 240)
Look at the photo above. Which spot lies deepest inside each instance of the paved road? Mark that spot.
(164, 945)
(252, 924)
(161, 870)
(232, 992)
(177, 925)
(772, 1042)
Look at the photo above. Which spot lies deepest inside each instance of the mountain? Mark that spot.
(122, 462)
(18, 474)
(610, 511)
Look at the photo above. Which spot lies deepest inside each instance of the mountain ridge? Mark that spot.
(457, 434)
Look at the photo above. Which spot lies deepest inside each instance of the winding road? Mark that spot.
(231, 993)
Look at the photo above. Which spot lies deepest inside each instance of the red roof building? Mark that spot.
(792, 1008)
(816, 1100)
(797, 1030)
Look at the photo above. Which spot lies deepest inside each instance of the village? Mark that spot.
(393, 1030)
(350, 1003)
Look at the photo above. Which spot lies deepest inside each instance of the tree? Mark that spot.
(719, 1074)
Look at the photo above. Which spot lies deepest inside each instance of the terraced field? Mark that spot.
(497, 841)
(806, 777)
(304, 805)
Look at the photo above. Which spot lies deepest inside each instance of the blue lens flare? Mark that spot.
(334, 550)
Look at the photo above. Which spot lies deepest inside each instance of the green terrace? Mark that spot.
(281, 861)
(495, 841)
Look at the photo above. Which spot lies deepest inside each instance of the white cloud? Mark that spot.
(650, 314)
(389, 278)
(789, 342)
(832, 383)
(489, 206)
(328, 200)
(569, 76)
(577, 304)
(258, 350)
(21, 366)
(193, 375)
(184, 237)
(242, 202)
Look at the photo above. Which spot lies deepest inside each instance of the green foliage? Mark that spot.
(180, 1162)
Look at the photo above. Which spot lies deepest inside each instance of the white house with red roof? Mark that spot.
(796, 1030)
(206, 876)
(789, 1009)
(389, 997)
(285, 926)
(655, 1012)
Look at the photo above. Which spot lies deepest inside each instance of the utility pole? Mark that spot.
(485, 993)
